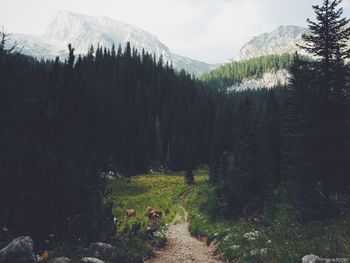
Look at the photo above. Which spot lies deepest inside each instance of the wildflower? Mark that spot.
(257, 251)
(263, 251)
(235, 247)
(251, 235)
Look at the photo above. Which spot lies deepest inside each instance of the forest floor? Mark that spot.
(181, 246)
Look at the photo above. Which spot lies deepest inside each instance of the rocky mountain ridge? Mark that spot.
(82, 31)
(282, 40)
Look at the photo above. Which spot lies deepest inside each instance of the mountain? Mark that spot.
(265, 71)
(82, 31)
(263, 52)
(282, 40)
(269, 79)
(262, 62)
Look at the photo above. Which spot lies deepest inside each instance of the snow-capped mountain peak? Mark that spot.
(82, 31)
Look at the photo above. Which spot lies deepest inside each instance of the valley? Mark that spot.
(115, 149)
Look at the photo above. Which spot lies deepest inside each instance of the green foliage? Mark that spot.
(246, 150)
(189, 178)
(296, 136)
(317, 105)
(133, 248)
(68, 124)
(329, 34)
(274, 236)
(234, 72)
(161, 192)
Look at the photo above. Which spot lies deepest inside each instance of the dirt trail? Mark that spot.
(181, 246)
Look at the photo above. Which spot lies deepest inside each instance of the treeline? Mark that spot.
(65, 125)
(291, 144)
(285, 144)
(234, 72)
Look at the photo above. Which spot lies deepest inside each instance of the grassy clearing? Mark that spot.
(159, 191)
(270, 238)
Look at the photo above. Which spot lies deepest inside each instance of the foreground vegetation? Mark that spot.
(274, 236)
(160, 191)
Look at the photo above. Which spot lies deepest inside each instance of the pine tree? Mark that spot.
(158, 147)
(328, 42)
(71, 56)
(271, 138)
(329, 34)
(189, 178)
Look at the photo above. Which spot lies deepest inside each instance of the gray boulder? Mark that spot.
(310, 259)
(60, 260)
(101, 250)
(20, 250)
(91, 260)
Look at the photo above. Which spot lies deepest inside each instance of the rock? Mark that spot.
(310, 259)
(91, 260)
(20, 250)
(316, 259)
(101, 250)
(60, 260)
(262, 252)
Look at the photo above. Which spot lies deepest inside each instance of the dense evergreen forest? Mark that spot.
(234, 72)
(66, 125)
(296, 146)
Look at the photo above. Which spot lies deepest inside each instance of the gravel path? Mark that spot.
(181, 247)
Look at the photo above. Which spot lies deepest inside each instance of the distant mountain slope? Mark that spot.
(265, 71)
(269, 79)
(262, 62)
(82, 31)
(282, 40)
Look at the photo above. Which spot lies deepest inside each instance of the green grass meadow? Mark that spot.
(160, 191)
(274, 237)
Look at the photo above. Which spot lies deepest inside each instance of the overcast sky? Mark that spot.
(207, 30)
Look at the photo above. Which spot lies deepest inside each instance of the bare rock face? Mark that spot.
(101, 250)
(268, 80)
(282, 40)
(20, 250)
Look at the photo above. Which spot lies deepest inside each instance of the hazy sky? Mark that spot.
(207, 30)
